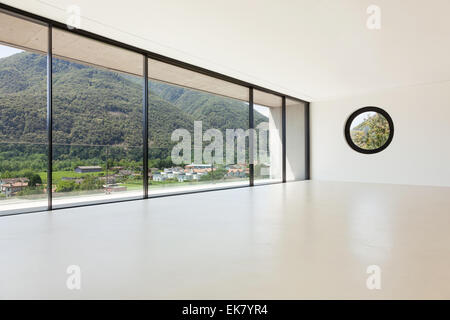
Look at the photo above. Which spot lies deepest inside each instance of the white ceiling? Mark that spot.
(315, 50)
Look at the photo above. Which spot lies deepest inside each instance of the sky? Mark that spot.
(360, 118)
(263, 110)
(6, 51)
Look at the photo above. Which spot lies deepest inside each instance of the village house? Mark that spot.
(159, 176)
(10, 186)
(182, 177)
(189, 173)
(198, 166)
(172, 173)
(87, 169)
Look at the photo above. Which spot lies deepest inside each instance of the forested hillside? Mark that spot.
(96, 107)
(215, 111)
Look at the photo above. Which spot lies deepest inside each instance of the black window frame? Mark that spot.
(357, 113)
(51, 24)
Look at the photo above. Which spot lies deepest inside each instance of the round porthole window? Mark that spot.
(369, 130)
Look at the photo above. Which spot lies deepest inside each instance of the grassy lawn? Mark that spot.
(130, 184)
(133, 185)
(57, 175)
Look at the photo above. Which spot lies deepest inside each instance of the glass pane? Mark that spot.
(268, 129)
(369, 130)
(295, 140)
(97, 121)
(197, 139)
(23, 112)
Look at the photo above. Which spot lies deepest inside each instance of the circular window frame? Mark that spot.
(357, 113)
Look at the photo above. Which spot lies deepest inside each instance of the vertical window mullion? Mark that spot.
(49, 118)
(307, 144)
(145, 128)
(251, 126)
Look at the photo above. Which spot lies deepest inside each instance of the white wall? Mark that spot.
(295, 141)
(275, 143)
(419, 153)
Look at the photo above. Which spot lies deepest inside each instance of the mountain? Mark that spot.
(93, 106)
(23, 98)
(215, 111)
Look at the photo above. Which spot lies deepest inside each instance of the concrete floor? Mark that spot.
(287, 241)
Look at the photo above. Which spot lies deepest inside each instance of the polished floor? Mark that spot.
(300, 240)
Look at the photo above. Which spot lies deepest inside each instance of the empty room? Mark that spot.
(225, 151)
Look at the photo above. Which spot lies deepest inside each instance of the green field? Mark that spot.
(57, 175)
(133, 185)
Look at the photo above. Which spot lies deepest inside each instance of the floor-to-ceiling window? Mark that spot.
(97, 121)
(199, 124)
(295, 140)
(23, 105)
(268, 163)
(198, 131)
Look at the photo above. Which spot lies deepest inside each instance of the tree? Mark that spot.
(33, 178)
(165, 163)
(65, 186)
(372, 133)
(91, 183)
(216, 174)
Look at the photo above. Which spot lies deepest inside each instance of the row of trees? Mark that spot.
(88, 183)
